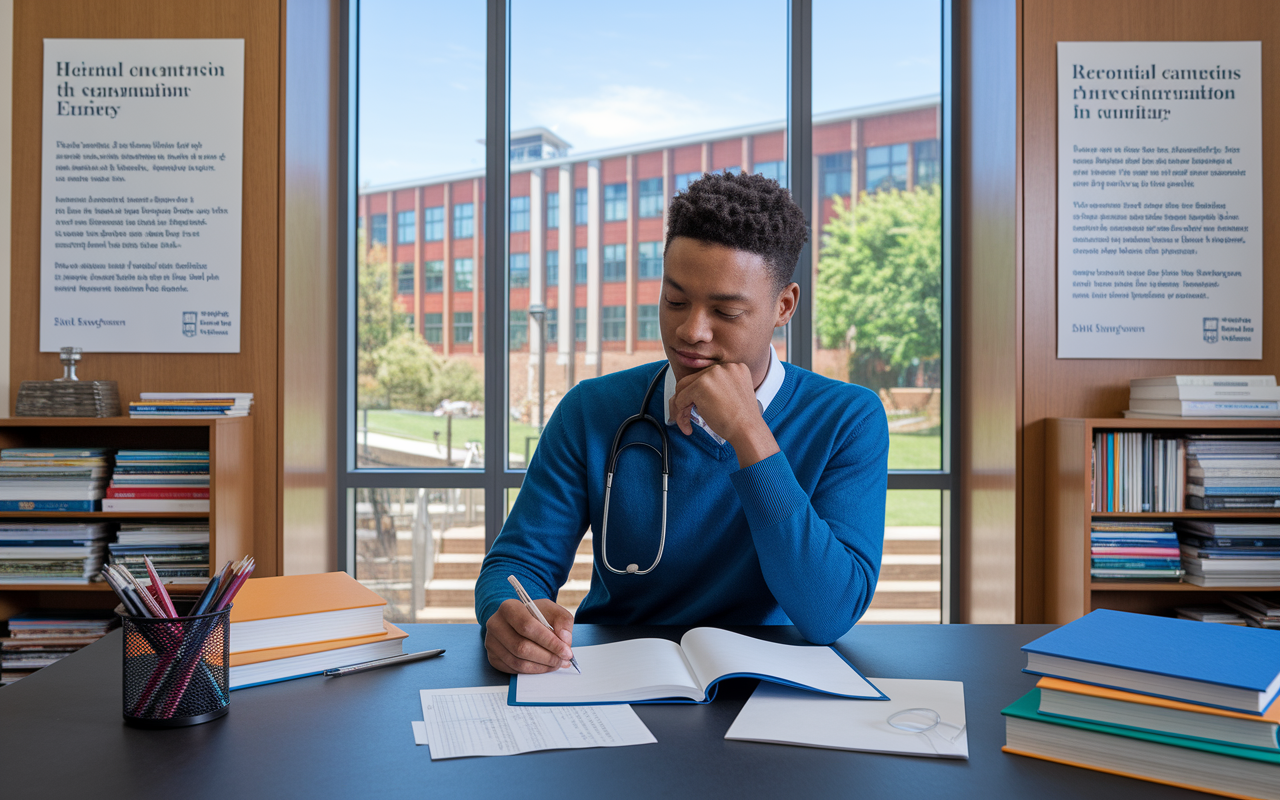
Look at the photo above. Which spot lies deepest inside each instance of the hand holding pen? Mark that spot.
(516, 641)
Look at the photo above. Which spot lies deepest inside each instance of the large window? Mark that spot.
(519, 270)
(433, 276)
(615, 263)
(519, 214)
(433, 224)
(404, 278)
(650, 260)
(464, 220)
(615, 202)
(553, 210)
(405, 229)
(834, 175)
(650, 197)
(887, 168)
(442, 420)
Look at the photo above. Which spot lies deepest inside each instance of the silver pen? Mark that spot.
(533, 609)
(382, 662)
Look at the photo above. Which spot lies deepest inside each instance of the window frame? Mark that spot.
(496, 478)
(432, 228)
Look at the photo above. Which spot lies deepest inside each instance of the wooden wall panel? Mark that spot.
(308, 285)
(254, 369)
(986, 128)
(1100, 388)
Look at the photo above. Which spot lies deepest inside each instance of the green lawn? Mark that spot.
(424, 427)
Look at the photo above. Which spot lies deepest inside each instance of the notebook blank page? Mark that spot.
(637, 669)
(714, 653)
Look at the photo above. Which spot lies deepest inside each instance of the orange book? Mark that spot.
(1057, 684)
(270, 613)
(299, 661)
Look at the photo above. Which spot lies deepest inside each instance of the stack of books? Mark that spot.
(39, 638)
(53, 478)
(1164, 700)
(299, 625)
(55, 552)
(178, 551)
(1227, 471)
(1230, 553)
(159, 480)
(1127, 550)
(1218, 615)
(1221, 396)
(1258, 611)
(191, 404)
(1137, 471)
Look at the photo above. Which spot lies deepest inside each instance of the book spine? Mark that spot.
(158, 494)
(48, 505)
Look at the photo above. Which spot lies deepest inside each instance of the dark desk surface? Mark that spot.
(61, 734)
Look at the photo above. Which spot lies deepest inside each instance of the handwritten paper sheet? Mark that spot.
(478, 722)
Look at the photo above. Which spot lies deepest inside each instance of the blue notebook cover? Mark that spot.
(1226, 655)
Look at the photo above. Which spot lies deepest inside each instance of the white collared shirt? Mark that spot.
(764, 395)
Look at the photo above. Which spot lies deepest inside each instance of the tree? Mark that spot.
(407, 370)
(376, 320)
(879, 285)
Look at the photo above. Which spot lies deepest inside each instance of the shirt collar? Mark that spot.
(764, 394)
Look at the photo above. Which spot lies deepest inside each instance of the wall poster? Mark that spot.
(1160, 200)
(141, 190)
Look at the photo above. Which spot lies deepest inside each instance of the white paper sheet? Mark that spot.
(478, 722)
(713, 653)
(419, 733)
(781, 715)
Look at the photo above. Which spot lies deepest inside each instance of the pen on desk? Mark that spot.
(533, 609)
(383, 662)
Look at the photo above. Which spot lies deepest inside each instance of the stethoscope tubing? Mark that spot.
(611, 466)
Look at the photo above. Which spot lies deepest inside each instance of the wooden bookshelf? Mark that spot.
(1070, 592)
(230, 445)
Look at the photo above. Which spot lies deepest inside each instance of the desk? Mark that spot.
(61, 734)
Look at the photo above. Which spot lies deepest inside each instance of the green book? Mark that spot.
(1146, 755)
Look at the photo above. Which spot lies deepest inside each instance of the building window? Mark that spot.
(519, 214)
(834, 176)
(615, 263)
(461, 327)
(651, 197)
(405, 230)
(433, 328)
(553, 330)
(613, 323)
(928, 162)
(464, 220)
(683, 180)
(553, 267)
(580, 324)
(615, 202)
(553, 210)
(404, 279)
(433, 276)
(774, 171)
(579, 206)
(378, 230)
(462, 269)
(887, 168)
(518, 329)
(519, 271)
(650, 260)
(733, 170)
(580, 265)
(433, 224)
(648, 327)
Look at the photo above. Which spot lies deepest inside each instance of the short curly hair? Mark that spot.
(745, 212)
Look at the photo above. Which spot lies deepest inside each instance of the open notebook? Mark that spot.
(661, 671)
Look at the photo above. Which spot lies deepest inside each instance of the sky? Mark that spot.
(606, 74)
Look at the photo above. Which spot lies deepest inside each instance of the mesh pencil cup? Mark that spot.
(176, 671)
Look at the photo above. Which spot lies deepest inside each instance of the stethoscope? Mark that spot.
(611, 465)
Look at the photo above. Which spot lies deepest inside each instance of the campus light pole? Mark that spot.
(539, 312)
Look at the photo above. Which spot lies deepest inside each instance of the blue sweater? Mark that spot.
(793, 539)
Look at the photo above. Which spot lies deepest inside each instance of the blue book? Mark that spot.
(48, 505)
(1136, 562)
(1224, 666)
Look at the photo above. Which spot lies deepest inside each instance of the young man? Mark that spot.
(775, 508)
